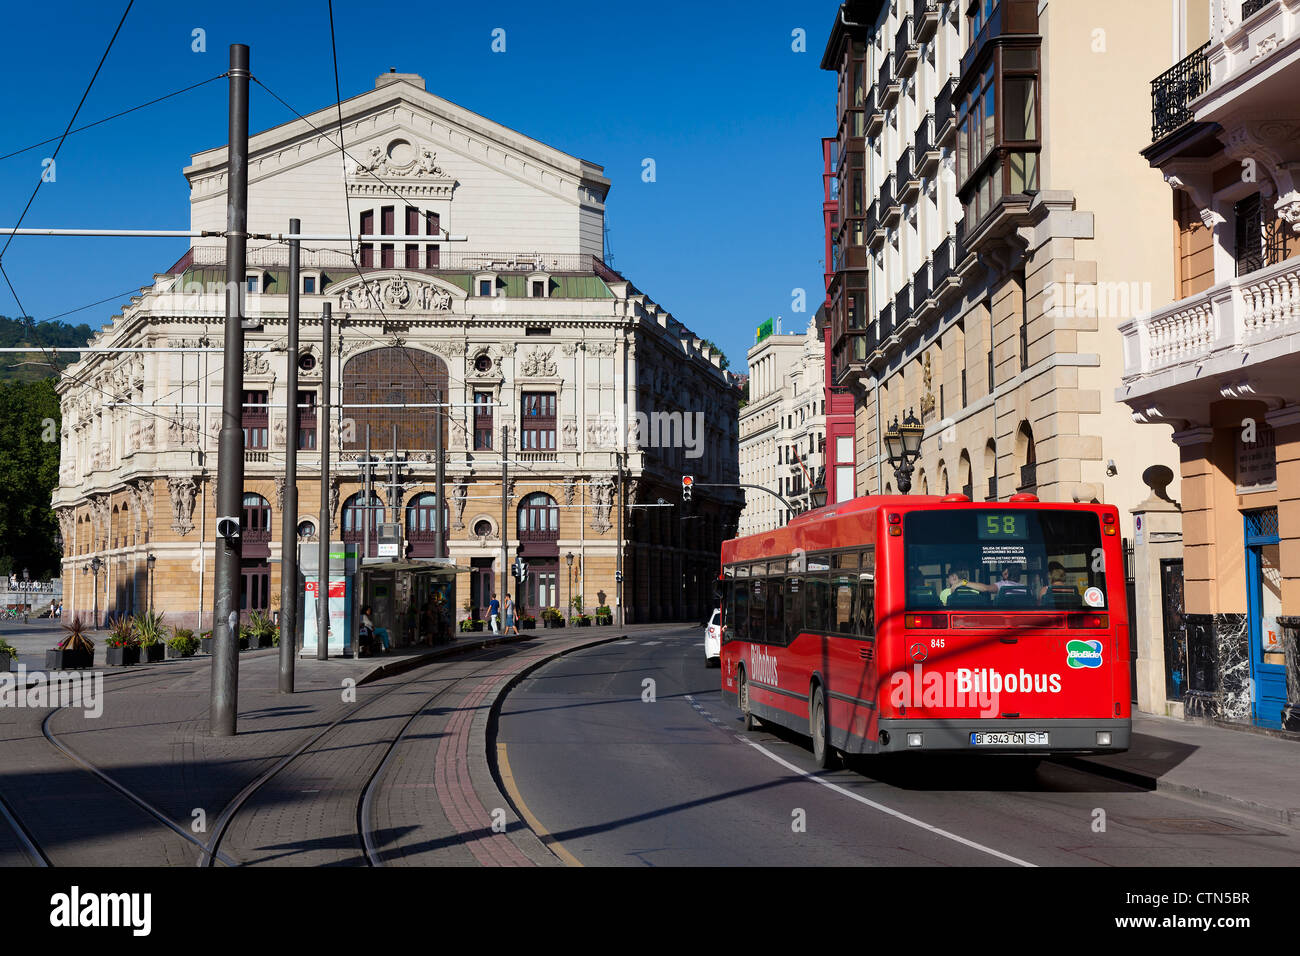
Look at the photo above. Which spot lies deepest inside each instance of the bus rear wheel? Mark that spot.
(751, 722)
(818, 728)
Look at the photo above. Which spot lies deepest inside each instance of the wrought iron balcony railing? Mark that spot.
(1173, 91)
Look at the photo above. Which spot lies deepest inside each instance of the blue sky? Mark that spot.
(714, 93)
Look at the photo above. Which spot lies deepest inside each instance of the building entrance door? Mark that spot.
(542, 589)
(1264, 604)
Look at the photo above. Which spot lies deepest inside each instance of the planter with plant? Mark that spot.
(8, 654)
(183, 643)
(580, 620)
(205, 642)
(528, 623)
(604, 615)
(74, 651)
(261, 630)
(551, 617)
(122, 648)
(471, 624)
(153, 637)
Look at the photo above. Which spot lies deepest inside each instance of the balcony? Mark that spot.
(908, 184)
(875, 231)
(921, 285)
(925, 15)
(885, 323)
(1251, 7)
(903, 304)
(905, 49)
(927, 153)
(887, 82)
(277, 257)
(945, 126)
(889, 208)
(1173, 91)
(1252, 63)
(1241, 329)
(875, 115)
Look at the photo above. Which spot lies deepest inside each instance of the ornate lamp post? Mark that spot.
(817, 491)
(93, 568)
(903, 443)
(148, 592)
(568, 559)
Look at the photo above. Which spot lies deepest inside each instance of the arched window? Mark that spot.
(402, 379)
(1027, 459)
(255, 524)
(420, 512)
(357, 514)
(991, 469)
(964, 475)
(539, 518)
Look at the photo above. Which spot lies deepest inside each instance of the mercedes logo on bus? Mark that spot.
(918, 652)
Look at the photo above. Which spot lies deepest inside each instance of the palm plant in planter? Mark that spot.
(604, 615)
(7, 654)
(75, 650)
(182, 643)
(149, 627)
(261, 630)
(123, 644)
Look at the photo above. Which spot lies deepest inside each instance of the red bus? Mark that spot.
(923, 623)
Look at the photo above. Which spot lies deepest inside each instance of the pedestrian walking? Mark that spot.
(510, 616)
(494, 609)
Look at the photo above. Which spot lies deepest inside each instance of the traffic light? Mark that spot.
(521, 570)
(688, 482)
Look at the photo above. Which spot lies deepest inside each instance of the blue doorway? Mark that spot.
(1263, 605)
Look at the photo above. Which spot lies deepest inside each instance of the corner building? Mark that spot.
(548, 357)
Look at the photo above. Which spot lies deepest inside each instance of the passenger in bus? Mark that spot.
(1055, 578)
(959, 580)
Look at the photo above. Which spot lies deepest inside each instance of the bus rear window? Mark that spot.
(1003, 559)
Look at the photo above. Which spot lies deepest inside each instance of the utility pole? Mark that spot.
(505, 550)
(224, 702)
(440, 479)
(323, 572)
(289, 526)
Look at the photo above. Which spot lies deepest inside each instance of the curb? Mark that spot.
(1281, 816)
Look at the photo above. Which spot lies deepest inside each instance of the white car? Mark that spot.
(713, 640)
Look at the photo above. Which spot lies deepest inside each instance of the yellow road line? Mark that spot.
(512, 791)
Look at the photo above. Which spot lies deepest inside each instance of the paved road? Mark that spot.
(618, 780)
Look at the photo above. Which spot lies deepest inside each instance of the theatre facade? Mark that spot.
(504, 309)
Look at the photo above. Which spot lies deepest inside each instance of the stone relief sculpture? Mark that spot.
(539, 363)
(458, 495)
(569, 433)
(279, 494)
(182, 489)
(602, 493)
(570, 488)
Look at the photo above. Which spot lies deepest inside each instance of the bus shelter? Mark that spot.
(412, 599)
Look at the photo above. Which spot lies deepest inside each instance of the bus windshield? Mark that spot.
(1004, 559)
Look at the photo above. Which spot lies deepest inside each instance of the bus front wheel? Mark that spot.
(818, 729)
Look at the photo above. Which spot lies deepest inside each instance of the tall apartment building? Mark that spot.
(995, 226)
(783, 428)
(1216, 363)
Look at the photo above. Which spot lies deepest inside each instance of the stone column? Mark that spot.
(1158, 535)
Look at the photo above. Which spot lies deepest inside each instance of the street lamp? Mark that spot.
(93, 568)
(568, 559)
(903, 443)
(151, 560)
(817, 490)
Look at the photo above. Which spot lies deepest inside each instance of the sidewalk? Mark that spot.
(1251, 773)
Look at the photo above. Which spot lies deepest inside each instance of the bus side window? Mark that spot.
(816, 603)
(865, 607)
(793, 608)
(740, 607)
(758, 611)
(776, 611)
(842, 604)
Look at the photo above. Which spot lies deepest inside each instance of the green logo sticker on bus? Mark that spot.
(1083, 653)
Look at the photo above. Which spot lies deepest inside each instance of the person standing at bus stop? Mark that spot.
(494, 608)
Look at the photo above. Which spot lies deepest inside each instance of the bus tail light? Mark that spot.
(925, 620)
(895, 525)
(1108, 524)
(1088, 621)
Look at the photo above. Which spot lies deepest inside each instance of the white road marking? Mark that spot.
(650, 643)
(884, 809)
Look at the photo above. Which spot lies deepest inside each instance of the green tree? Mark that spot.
(708, 343)
(29, 472)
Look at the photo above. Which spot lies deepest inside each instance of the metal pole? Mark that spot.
(618, 559)
(365, 496)
(289, 525)
(440, 479)
(505, 551)
(393, 493)
(224, 702)
(323, 571)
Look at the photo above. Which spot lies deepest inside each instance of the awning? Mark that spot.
(443, 567)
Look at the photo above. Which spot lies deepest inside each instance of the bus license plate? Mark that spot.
(1033, 738)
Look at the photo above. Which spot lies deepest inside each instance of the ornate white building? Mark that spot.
(783, 428)
(546, 354)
